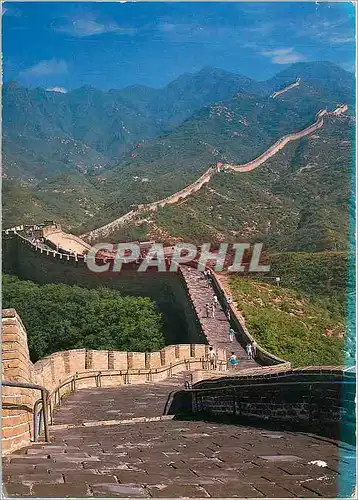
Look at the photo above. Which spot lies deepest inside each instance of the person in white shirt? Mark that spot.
(249, 351)
(254, 349)
(231, 335)
(212, 359)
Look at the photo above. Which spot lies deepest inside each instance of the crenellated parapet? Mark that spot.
(114, 368)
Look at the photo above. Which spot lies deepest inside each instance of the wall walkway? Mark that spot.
(106, 230)
(118, 368)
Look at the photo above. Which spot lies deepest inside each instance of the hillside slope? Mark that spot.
(289, 324)
(297, 200)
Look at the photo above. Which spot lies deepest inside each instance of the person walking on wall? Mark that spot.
(212, 359)
(216, 302)
(233, 361)
(249, 351)
(207, 308)
(213, 307)
(231, 335)
(228, 315)
(254, 349)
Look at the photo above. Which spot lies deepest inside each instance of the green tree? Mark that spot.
(60, 317)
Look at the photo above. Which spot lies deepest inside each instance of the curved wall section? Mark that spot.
(316, 399)
(50, 372)
(42, 266)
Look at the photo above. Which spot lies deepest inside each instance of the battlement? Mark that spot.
(116, 367)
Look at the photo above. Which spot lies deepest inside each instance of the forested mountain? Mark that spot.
(87, 156)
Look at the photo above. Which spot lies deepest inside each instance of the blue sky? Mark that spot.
(112, 45)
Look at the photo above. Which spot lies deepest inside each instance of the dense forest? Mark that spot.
(58, 317)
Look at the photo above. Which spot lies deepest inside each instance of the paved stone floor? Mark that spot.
(216, 329)
(98, 451)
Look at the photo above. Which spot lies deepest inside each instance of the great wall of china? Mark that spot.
(289, 87)
(159, 424)
(84, 423)
(107, 229)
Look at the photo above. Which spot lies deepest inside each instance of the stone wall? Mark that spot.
(167, 290)
(105, 231)
(50, 372)
(275, 148)
(16, 403)
(319, 399)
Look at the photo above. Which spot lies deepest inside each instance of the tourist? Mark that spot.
(228, 315)
(254, 349)
(249, 351)
(233, 361)
(207, 307)
(231, 334)
(213, 307)
(212, 359)
(216, 302)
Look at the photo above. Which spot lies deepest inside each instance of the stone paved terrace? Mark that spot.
(98, 451)
(216, 329)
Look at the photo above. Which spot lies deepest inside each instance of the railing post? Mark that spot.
(234, 402)
(51, 412)
(35, 423)
(45, 414)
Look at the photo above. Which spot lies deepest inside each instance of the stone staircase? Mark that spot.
(216, 329)
(115, 442)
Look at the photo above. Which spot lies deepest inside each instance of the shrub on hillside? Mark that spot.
(290, 325)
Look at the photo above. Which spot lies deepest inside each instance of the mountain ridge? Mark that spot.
(239, 126)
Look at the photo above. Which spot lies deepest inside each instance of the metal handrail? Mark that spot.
(47, 397)
(302, 382)
(98, 374)
(44, 400)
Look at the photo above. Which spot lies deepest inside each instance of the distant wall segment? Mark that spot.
(107, 229)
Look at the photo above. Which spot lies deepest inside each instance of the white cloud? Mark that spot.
(90, 26)
(62, 90)
(339, 40)
(46, 68)
(283, 56)
(10, 11)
